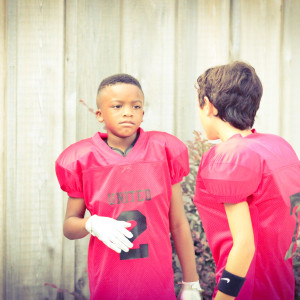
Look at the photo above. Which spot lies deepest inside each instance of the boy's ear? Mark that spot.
(208, 107)
(99, 115)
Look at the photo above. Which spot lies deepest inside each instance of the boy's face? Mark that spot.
(121, 109)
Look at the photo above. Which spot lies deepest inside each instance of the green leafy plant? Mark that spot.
(296, 263)
(204, 260)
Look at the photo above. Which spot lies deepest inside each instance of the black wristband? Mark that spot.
(230, 284)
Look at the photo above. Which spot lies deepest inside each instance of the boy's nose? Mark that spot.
(127, 112)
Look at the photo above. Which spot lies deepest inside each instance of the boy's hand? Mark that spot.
(190, 291)
(111, 232)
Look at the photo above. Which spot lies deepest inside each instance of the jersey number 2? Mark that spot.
(141, 226)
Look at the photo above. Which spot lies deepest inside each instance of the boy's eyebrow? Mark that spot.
(119, 100)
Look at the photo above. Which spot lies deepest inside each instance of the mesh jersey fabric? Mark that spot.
(136, 188)
(263, 170)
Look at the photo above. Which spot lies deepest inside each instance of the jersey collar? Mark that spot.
(100, 137)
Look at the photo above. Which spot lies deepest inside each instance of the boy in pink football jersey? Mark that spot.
(247, 190)
(129, 180)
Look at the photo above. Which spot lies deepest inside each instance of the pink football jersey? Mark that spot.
(136, 188)
(263, 170)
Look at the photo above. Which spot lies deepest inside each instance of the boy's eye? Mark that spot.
(117, 106)
(137, 107)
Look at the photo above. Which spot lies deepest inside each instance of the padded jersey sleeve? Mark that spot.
(178, 159)
(230, 177)
(69, 175)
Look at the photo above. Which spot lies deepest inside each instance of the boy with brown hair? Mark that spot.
(247, 190)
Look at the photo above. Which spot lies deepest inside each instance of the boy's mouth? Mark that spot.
(127, 123)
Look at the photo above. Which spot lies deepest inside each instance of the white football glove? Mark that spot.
(190, 291)
(111, 232)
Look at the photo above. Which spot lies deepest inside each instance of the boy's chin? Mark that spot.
(125, 135)
(213, 138)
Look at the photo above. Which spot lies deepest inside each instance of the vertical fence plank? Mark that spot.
(290, 74)
(34, 112)
(68, 128)
(2, 145)
(202, 42)
(214, 33)
(260, 46)
(148, 53)
(98, 48)
(12, 238)
(186, 70)
(39, 132)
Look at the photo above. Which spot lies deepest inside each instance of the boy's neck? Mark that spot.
(121, 143)
(226, 131)
(243, 133)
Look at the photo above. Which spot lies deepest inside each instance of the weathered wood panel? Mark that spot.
(260, 39)
(203, 31)
(290, 73)
(11, 249)
(2, 146)
(34, 131)
(148, 53)
(98, 51)
(68, 123)
(186, 69)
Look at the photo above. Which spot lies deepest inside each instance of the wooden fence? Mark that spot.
(54, 53)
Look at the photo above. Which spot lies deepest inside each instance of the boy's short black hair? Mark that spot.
(235, 91)
(119, 78)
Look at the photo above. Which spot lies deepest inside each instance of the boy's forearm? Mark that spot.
(185, 251)
(238, 263)
(239, 259)
(74, 228)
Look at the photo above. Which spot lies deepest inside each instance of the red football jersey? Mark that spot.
(136, 188)
(263, 170)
